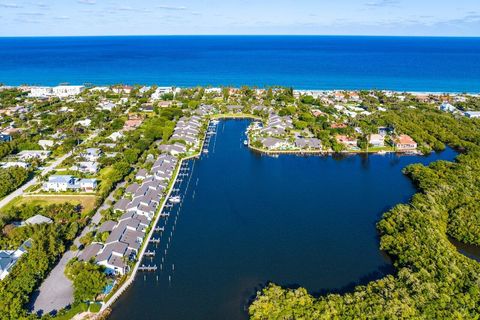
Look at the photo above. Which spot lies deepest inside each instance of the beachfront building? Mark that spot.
(8, 258)
(404, 143)
(58, 91)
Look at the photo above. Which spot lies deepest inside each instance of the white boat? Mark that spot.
(174, 199)
(205, 150)
(215, 122)
(245, 142)
(382, 152)
(210, 132)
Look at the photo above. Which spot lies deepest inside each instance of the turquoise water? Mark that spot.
(304, 62)
(247, 219)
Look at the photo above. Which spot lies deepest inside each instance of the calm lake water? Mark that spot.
(247, 219)
(304, 62)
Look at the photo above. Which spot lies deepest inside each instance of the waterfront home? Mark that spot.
(472, 114)
(308, 143)
(271, 143)
(112, 258)
(404, 143)
(33, 154)
(347, 141)
(8, 258)
(376, 140)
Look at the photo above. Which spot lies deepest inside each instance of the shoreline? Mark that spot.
(317, 89)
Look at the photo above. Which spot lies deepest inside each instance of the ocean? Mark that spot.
(304, 62)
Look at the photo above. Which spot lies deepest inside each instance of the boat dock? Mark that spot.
(149, 253)
(147, 268)
(155, 240)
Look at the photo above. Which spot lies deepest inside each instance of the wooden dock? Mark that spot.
(147, 268)
(149, 253)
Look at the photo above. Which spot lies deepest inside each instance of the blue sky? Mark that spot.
(332, 17)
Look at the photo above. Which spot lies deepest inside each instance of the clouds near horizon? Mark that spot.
(142, 17)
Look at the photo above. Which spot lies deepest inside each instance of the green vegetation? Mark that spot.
(88, 280)
(12, 178)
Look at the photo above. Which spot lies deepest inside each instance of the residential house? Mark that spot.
(377, 140)
(8, 258)
(404, 143)
(33, 154)
(347, 141)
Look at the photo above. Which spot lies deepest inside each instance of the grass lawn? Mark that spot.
(86, 201)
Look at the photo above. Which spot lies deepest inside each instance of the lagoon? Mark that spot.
(247, 219)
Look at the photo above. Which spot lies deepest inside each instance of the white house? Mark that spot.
(86, 167)
(37, 219)
(377, 140)
(447, 107)
(45, 144)
(21, 164)
(92, 154)
(67, 91)
(60, 183)
(116, 136)
(88, 185)
(8, 258)
(33, 154)
(84, 123)
(472, 114)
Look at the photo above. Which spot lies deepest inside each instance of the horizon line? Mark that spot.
(241, 35)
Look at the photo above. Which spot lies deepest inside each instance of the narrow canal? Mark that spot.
(246, 219)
